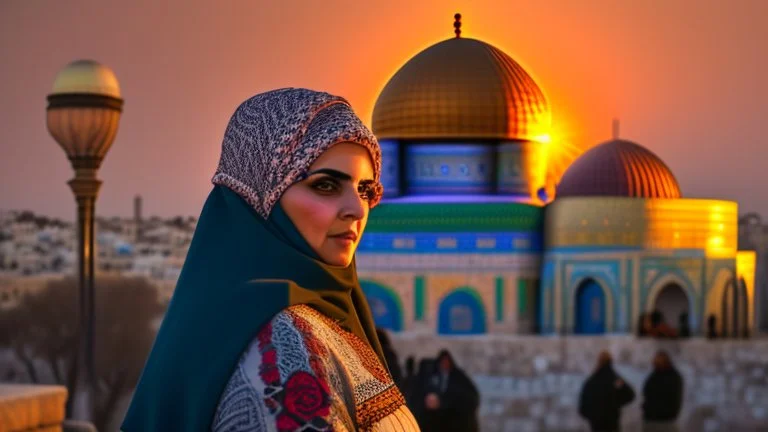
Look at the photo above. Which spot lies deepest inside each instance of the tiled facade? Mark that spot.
(524, 268)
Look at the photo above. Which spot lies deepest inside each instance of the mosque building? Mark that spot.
(474, 237)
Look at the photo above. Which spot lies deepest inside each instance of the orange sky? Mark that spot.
(687, 79)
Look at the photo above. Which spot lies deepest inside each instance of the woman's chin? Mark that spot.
(339, 259)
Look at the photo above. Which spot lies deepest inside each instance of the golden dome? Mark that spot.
(461, 88)
(619, 168)
(89, 77)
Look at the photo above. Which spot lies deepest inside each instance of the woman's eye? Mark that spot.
(325, 186)
(368, 191)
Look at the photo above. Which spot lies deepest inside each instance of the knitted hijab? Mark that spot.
(247, 260)
(274, 137)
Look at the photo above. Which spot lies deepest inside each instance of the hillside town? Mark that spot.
(35, 248)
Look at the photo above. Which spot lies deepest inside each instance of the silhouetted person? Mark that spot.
(712, 327)
(391, 357)
(662, 396)
(642, 326)
(418, 393)
(409, 380)
(683, 329)
(603, 395)
(647, 324)
(451, 400)
(659, 328)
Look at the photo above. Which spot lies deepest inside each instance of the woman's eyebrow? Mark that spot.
(334, 173)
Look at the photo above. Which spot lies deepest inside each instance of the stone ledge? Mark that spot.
(31, 407)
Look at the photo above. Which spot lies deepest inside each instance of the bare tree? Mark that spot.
(43, 336)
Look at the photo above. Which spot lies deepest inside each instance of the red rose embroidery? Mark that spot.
(304, 397)
(265, 335)
(270, 374)
(286, 423)
(270, 357)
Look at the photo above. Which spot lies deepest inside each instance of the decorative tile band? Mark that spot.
(482, 243)
(520, 167)
(476, 217)
(449, 263)
(450, 168)
(390, 167)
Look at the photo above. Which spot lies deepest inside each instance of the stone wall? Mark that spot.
(531, 383)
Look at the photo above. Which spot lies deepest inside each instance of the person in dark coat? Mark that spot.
(642, 325)
(391, 357)
(662, 396)
(683, 329)
(712, 327)
(603, 395)
(409, 380)
(452, 400)
(659, 327)
(418, 392)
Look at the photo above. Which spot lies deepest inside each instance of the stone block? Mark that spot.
(520, 425)
(31, 407)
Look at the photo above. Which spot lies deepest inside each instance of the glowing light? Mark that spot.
(745, 268)
(544, 138)
(560, 151)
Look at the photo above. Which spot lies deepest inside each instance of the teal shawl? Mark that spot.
(240, 271)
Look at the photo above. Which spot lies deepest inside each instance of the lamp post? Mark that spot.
(82, 116)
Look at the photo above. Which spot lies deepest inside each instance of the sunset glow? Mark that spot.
(183, 75)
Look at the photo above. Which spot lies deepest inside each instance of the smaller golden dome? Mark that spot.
(618, 168)
(88, 77)
(461, 89)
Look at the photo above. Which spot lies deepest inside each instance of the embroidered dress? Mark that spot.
(303, 372)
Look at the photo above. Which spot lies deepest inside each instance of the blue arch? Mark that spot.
(461, 313)
(590, 308)
(385, 306)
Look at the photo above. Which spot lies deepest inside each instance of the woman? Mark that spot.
(268, 328)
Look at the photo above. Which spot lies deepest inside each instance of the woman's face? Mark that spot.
(330, 207)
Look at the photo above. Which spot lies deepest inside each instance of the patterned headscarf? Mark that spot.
(273, 138)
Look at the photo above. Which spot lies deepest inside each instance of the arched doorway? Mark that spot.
(590, 308)
(461, 313)
(672, 302)
(735, 309)
(384, 306)
(743, 323)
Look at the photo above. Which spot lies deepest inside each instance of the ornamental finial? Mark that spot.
(457, 25)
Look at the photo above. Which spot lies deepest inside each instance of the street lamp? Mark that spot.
(82, 116)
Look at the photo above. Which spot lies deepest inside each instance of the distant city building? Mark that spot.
(137, 220)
